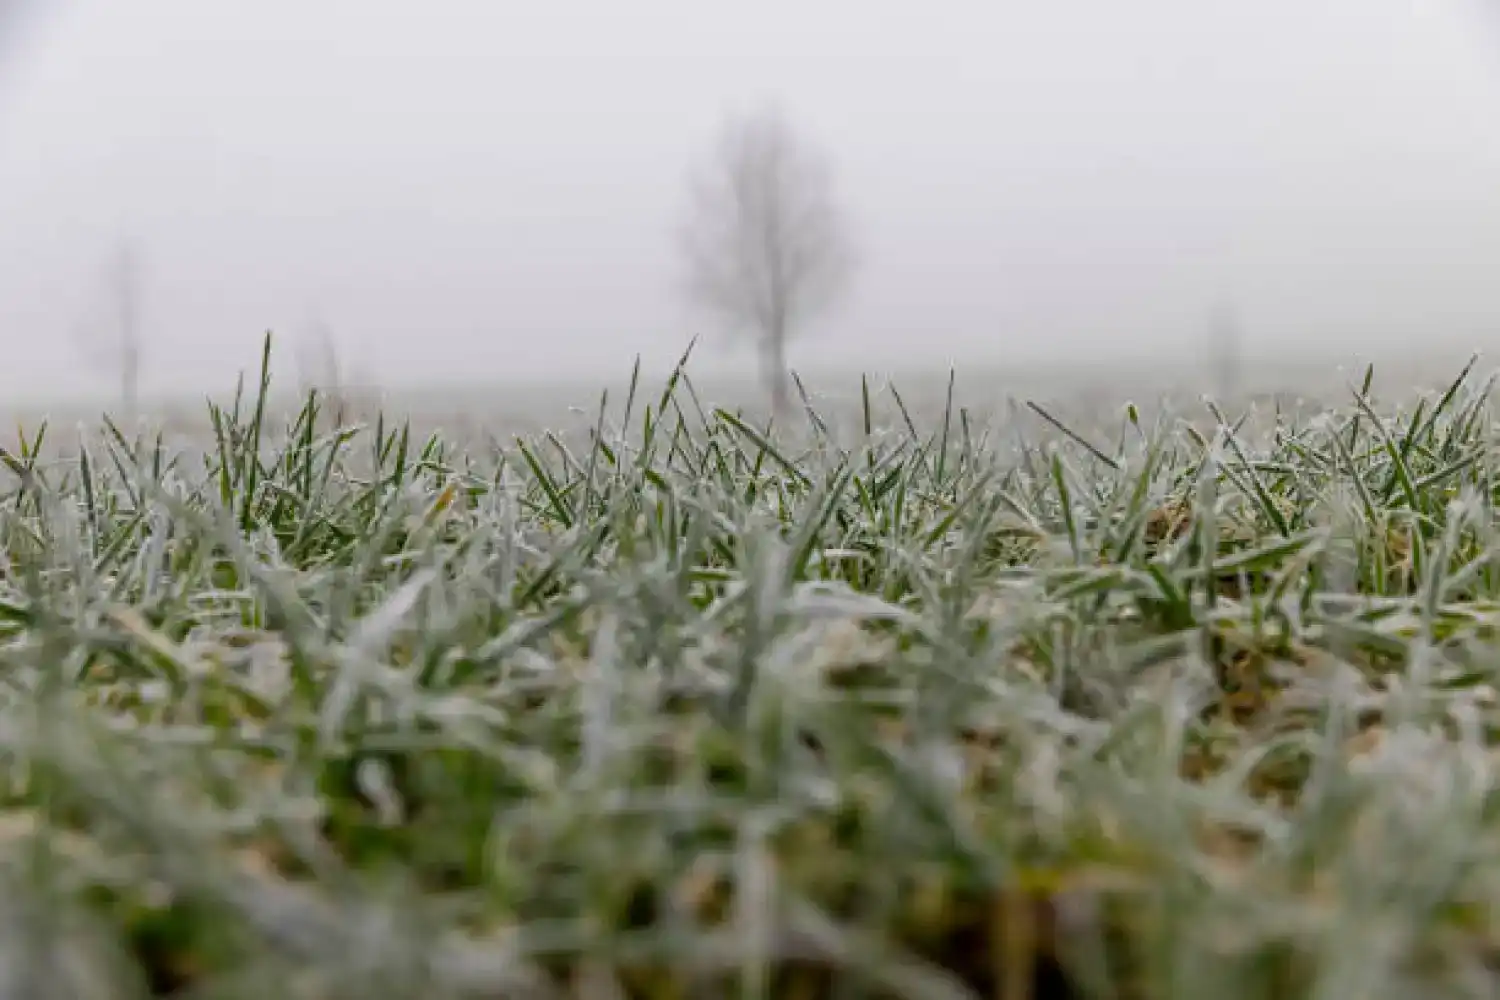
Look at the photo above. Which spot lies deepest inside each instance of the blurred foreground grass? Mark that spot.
(699, 709)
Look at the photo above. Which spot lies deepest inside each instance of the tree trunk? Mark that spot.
(130, 378)
(127, 288)
(774, 372)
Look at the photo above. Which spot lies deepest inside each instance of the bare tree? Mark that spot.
(1225, 346)
(765, 245)
(120, 350)
(341, 376)
(322, 366)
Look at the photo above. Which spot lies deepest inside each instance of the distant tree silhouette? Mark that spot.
(765, 244)
(322, 366)
(1226, 348)
(116, 344)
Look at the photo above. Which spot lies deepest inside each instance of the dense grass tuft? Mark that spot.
(696, 707)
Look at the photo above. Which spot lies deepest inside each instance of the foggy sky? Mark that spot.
(468, 190)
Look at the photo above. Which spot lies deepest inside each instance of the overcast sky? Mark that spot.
(467, 188)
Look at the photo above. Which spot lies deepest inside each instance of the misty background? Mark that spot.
(471, 192)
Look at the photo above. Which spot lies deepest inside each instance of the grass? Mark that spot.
(696, 707)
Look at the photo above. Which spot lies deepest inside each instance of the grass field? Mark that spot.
(684, 707)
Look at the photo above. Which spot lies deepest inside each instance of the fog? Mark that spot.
(481, 190)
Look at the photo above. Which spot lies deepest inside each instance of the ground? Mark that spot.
(1076, 700)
